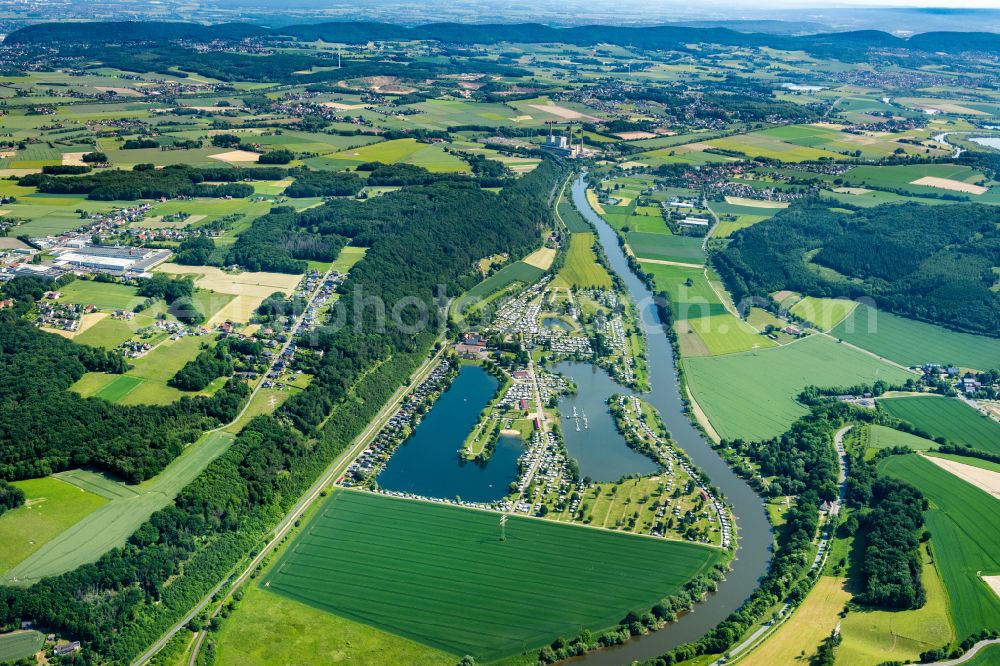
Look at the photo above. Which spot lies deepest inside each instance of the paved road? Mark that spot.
(968, 655)
(822, 553)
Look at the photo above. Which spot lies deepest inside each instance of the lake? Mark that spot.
(428, 463)
(597, 446)
(988, 141)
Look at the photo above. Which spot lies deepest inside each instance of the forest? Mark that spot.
(46, 428)
(891, 565)
(141, 183)
(232, 505)
(932, 263)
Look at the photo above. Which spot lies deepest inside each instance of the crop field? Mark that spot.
(515, 272)
(688, 301)
(112, 523)
(752, 394)
(19, 644)
(762, 144)
(223, 296)
(825, 313)
(902, 177)
(988, 465)
(571, 216)
(274, 629)
(666, 247)
(51, 507)
(914, 343)
(881, 437)
(581, 268)
(430, 156)
(964, 523)
(440, 575)
(947, 417)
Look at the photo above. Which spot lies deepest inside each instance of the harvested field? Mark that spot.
(7, 243)
(984, 479)
(562, 112)
(994, 583)
(756, 203)
(632, 136)
(73, 159)
(949, 184)
(236, 156)
(541, 258)
(340, 106)
(249, 288)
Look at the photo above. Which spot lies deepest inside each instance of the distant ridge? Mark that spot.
(837, 44)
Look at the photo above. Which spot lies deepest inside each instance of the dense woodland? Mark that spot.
(932, 263)
(846, 46)
(133, 442)
(428, 236)
(141, 183)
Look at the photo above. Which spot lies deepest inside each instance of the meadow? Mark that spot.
(947, 417)
(965, 526)
(275, 629)
(881, 437)
(382, 561)
(581, 268)
(914, 343)
(112, 523)
(19, 644)
(51, 507)
(872, 636)
(753, 394)
(825, 313)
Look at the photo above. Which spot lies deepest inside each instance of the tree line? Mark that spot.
(932, 263)
(184, 550)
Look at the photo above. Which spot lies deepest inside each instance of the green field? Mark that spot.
(666, 247)
(102, 295)
(97, 531)
(873, 636)
(881, 437)
(688, 301)
(763, 144)
(440, 575)
(348, 256)
(19, 644)
(914, 343)
(575, 223)
(825, 313)
(964, 523)
(271, 629)
(581, 268)
(988, 656)
(947, 417)
(51, 507)
(719, 334)
(515, 272)
(752, 394)
(409, 151)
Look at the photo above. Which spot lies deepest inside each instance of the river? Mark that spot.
(754, 529)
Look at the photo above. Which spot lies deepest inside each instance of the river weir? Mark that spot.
(754, 530)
